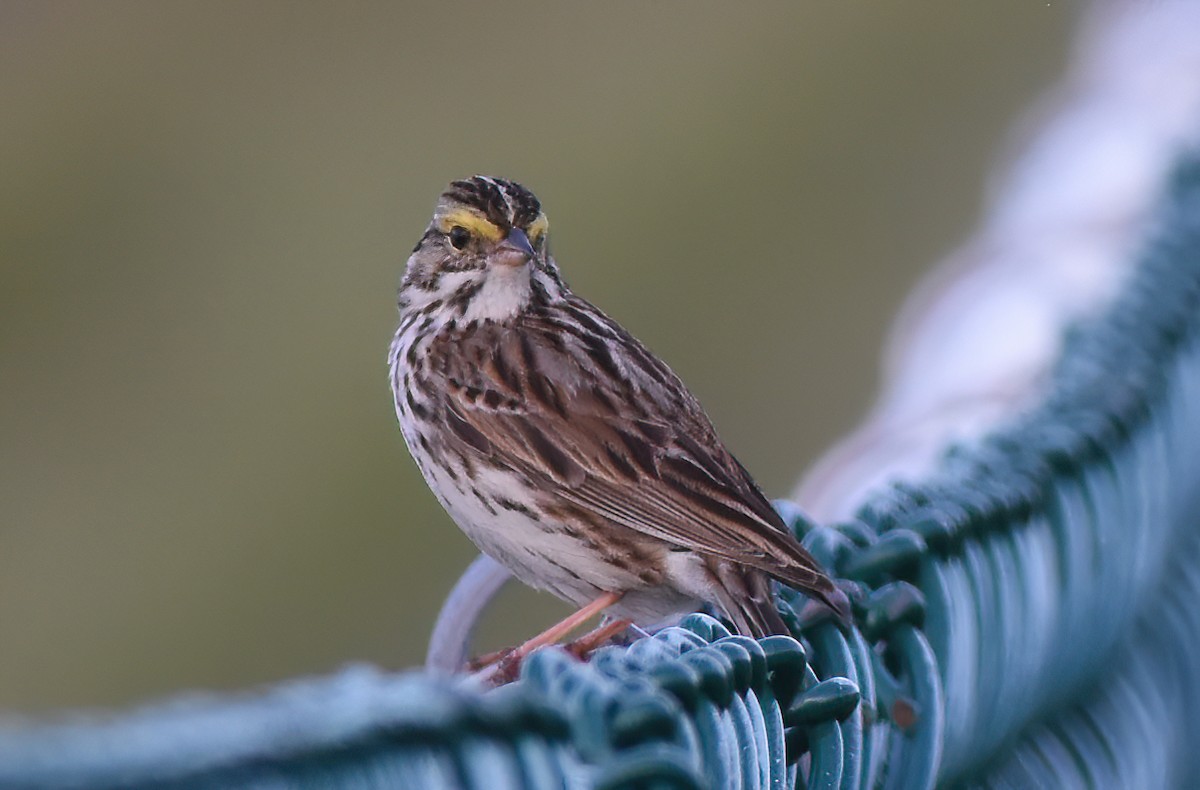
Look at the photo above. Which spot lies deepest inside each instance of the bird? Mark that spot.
(563, 447)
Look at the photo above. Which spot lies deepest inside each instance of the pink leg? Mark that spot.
(596, 638)
(505, 660)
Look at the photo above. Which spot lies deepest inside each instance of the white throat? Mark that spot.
(505, 293)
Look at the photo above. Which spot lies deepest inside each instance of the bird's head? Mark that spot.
(484, 254)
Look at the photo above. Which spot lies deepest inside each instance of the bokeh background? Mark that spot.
(205, 208)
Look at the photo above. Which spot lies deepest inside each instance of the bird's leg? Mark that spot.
(597, 637)
(556, 632)
(504, 661)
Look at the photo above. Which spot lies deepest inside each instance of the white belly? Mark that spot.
(535, 550)
(531, 545)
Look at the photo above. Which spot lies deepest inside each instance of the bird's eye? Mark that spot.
(459, 236)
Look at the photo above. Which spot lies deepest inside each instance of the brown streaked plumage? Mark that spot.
(560, 445)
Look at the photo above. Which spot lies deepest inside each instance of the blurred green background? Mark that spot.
(205, 209)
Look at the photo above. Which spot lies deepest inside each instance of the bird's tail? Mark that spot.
(746, 598)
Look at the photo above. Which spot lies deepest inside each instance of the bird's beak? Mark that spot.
(515, 250)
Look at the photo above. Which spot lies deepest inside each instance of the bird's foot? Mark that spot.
(502, 666)
(488, 659)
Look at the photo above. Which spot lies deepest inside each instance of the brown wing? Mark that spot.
(573, 402)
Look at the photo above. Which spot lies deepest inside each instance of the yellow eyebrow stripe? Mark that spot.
(538, 227)
(471, 221)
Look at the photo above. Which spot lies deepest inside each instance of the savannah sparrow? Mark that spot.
(560, 445)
